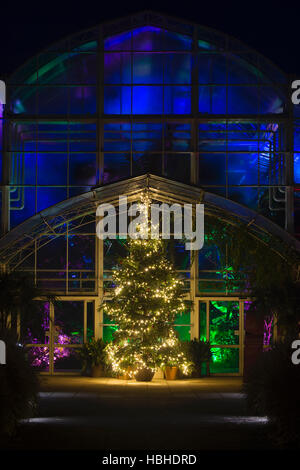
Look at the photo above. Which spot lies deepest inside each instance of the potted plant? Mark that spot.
(175, 360)
(198, 352)
(93, 357)
(171, 371)
(84, 356)
(144, 375)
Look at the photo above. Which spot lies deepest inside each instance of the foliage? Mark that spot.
(17, 294)
(224, 320)
(93, 353)
(280, 299)
(197, 352)
(39, 356)
(263, 266)
(147, 297)
(18, 386)
(273, 390)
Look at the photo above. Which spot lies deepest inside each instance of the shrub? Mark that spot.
(18, 386)
(92, 354)
(273, 390)
(198, 352)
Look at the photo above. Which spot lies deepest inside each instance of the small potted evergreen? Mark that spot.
(172, 361)
(93, 357)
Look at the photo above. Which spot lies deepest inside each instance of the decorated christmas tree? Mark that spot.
(145, 302)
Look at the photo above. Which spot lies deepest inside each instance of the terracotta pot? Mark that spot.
(171, 372)
(123, 377)
(97, 371)
(144, 375)
(126, 376)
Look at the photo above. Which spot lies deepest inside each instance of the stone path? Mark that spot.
(85, 413)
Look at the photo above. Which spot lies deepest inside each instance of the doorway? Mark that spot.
(56, 334)
(221, 322)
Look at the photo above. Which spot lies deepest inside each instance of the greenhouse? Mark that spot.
(143, 103)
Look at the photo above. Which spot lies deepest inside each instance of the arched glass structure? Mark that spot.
(144, 95)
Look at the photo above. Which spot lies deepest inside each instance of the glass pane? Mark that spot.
(108, 332)
(202, 322)
(35, 325)
(68, 323)
(183, 318)
(107, 320)
(178, 166)
(184, 332)
(117, 68)
(113, 251)
(66, 360)
(178, 68)
(146, 163)
(297, 167)
(242, 100)
(177, 254)
(117, 100)
(224, 322)
(242, 168)
(224, 361)
(148, 68)
(212, 168)
(49, 196)
(177, 100)
(147, 100)
(38, 357)
(52, 169)
(90, 333)
(82, 169)
(116, 166)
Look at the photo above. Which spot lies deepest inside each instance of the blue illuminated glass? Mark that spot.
(297, 167)
(147, 100)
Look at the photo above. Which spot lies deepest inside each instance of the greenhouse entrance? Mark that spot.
(66, 258)
(55, 338)
(221, 322)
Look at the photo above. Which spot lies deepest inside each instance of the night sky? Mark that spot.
(272, 28)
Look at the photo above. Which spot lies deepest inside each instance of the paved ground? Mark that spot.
(87, 413)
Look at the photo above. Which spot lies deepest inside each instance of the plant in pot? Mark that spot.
(171, 371)
(93, 357)
(198, 352)
(175, 361)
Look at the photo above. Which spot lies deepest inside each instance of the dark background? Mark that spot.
(272, 28)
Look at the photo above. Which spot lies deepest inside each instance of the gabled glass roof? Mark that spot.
(22, 240)
(145, 31)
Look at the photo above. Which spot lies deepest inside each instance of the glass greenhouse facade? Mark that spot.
(144, 102)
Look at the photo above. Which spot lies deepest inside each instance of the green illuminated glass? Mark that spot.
(224, 322)
(202, 321)
(184, 332)
(224, 361)
(90, 321)
(183, 318)
(108, 332)
(106, 319)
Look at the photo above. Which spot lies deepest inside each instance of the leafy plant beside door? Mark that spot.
(93, 357)
(198, 352)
